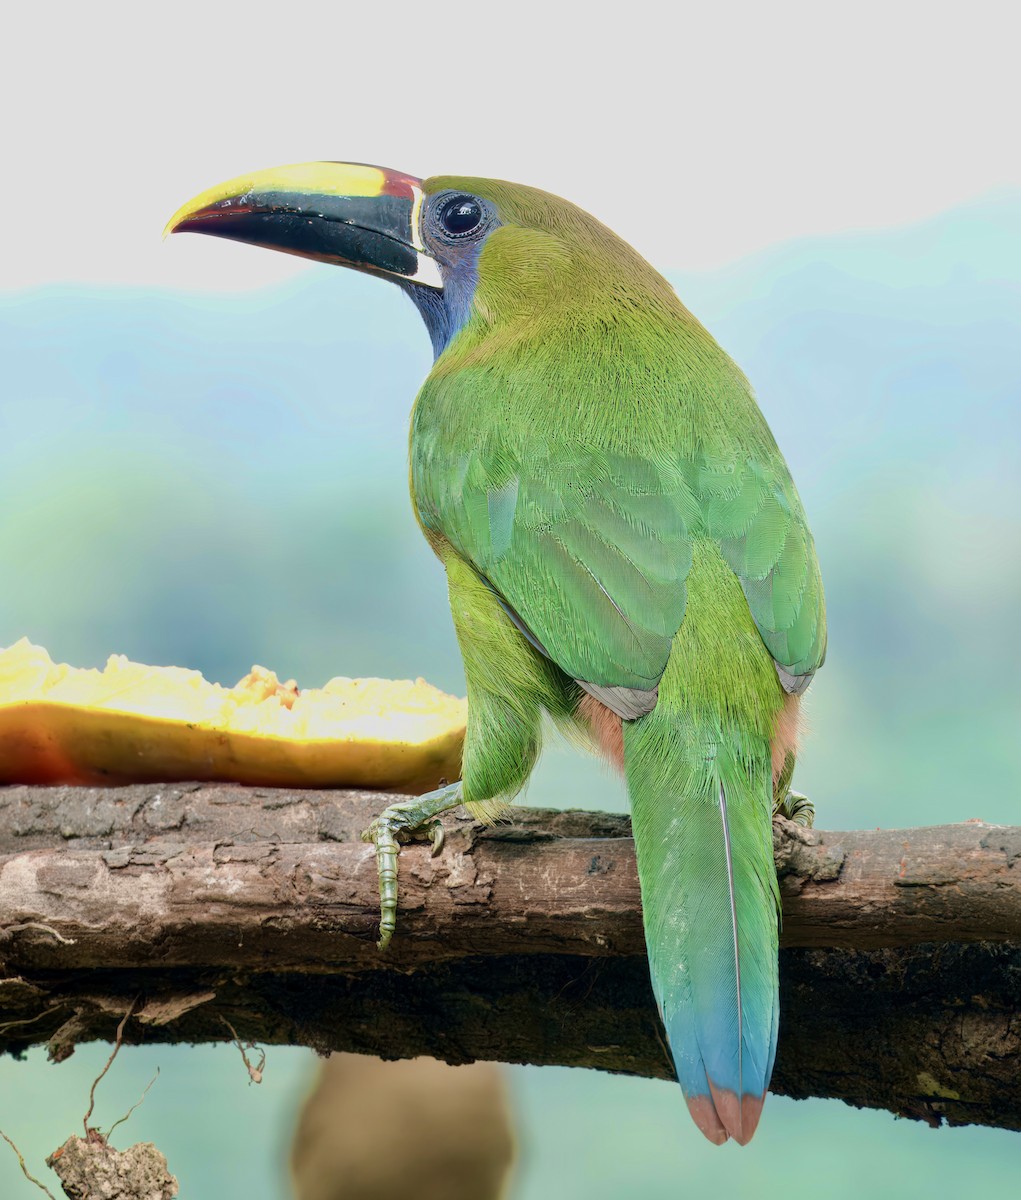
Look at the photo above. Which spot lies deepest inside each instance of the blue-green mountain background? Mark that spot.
(215, 480)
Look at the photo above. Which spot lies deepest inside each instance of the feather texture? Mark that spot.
(581, 431)
(701, 784)
(622, 536)
(703, 835)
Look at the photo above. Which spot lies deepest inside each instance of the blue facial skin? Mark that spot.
(446, 312)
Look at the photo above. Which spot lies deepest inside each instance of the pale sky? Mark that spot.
(701, 132)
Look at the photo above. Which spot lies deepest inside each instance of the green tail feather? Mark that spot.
(701, 799)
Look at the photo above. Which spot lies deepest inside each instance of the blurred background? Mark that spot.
(203, 446)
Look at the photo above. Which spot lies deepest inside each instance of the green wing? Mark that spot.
(591, 548)
(754, 512)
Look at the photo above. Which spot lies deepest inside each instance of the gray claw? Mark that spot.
(798, 808)
(383, 833)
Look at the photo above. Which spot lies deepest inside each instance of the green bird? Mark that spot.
(625, 551)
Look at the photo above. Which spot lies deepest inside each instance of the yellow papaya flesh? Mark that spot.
(136, 724)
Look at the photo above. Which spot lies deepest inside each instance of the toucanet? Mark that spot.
(625, 551)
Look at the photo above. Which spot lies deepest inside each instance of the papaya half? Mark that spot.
(135, 724)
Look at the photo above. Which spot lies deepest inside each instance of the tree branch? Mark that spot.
(901, 967)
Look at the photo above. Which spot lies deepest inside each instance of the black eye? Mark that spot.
(461, 215)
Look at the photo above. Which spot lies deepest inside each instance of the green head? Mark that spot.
(466, 250)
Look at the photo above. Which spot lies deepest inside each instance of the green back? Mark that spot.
(571, 451)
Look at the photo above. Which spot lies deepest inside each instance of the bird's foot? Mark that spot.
(398, 821)
(797, 808)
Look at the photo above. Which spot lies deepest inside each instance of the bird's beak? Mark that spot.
(346, 213)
